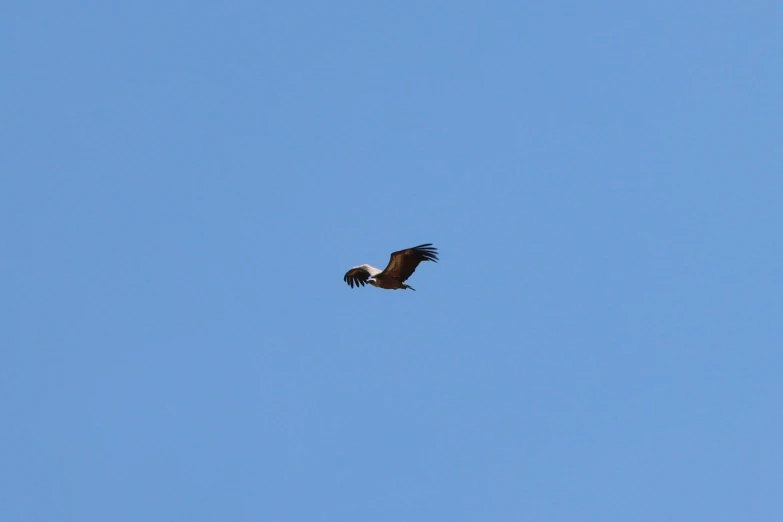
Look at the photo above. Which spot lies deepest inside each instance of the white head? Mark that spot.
(370, 269)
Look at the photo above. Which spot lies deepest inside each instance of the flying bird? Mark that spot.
(401, 265)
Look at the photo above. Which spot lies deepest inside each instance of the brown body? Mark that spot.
(388, 283)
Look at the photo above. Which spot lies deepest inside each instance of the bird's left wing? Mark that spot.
(403, 263)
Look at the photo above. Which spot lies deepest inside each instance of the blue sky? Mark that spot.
(184, 185)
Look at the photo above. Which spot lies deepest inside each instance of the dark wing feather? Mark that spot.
(356, 276)
(404, 262)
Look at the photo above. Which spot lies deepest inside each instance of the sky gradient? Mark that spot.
(183, 186)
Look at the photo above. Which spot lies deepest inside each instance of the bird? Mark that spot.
(401, 265)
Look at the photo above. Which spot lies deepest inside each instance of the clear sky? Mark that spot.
(184, 184)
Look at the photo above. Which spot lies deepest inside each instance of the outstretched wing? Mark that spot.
(356, 276)
(403, 263)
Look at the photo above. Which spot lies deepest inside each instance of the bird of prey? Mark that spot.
(401, 265)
